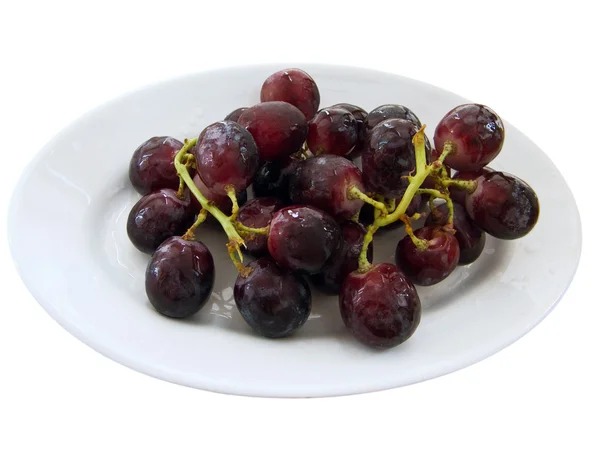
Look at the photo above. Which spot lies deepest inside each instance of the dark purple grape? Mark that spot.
(152, 168)
(235, 114)
(503, 205)
(471, 239)
(433, 264)
(279, 129)
(477, 132)
(332, 131)
(293, 86)
(180, 277)
(390, 154)
(272, 179)
(345, 258)
(226, 154)
(323, 181)
(381, 307)
(360, 115)
(273, 301)
(459, 195)
(158, 216)
(303, 238)
(385, 112)
(257, 213)
(221, 201)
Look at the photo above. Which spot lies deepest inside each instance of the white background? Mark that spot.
(535, 65)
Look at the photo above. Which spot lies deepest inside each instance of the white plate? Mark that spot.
(67, 235)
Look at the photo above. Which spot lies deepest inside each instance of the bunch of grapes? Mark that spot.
(314, 213)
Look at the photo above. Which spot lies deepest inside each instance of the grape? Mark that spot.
(180, 277)
(332, 131)
(323, 181)
(156, 217)
(471, 239)
(381, 307)
(390, 154)
(385, 112)
(503, 205)
(360, 115)
(292, 86)
(303, 238)
(477, 132)
(345, 258)
(272, 300)
(226, 154)
(433, 264)
(272, 180)
(221, 201)
(257, 213)
(459, 195)
(235, 114)
(279, 129)
(151, 167)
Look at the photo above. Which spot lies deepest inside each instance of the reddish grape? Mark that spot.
(477, 132)
(180, 277)
(257, 213)
(235, 114)
(360, 115)
(293, 86)
(226, 155)
(503, 205)
(471, 239)
(303, 238)
(151, 167)
(381, 307)
(158, 216)
(273, 301)
(390, 154)
(385, 112)
(345, 258)
(323, 181)
(279, 129)
(221, 201)
(332, 131)
(459, 195)
(433, 264)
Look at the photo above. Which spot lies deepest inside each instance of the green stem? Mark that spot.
(234, 203)
(435, 193)
(190, 234)
(235, 240)
(249, 230)
(363, 262)
(467, 185)
(421, 244)
(354, 192)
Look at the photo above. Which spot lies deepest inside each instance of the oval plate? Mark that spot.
(67, 236)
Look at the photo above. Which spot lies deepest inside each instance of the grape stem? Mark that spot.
(446, 197)
(235, 208)
(421, 244)
(249, 230)
(235, 240)
(354, 192)
(467, 185)
(423, 170)
(190, 234)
